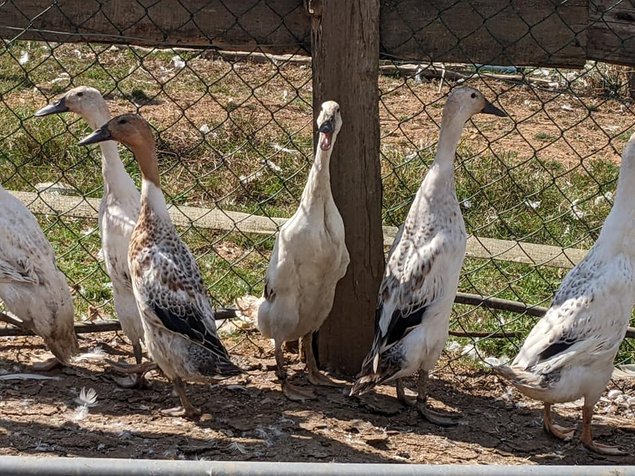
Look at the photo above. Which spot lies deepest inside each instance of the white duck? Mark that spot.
(175, 310)
(32, 287)
(118, 210)
(307, 261)
(569, 353)
(422, 273)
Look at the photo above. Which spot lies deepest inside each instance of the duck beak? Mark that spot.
(326, 131)
(327, 126)
(54, 108)
(99, 135)
(491, 109)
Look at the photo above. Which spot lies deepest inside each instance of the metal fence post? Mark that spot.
(345, 50)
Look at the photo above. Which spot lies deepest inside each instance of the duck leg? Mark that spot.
(587, 437)
(560, 432)
(140, 380)
(422, 406)
(186, 409)
(139, 370)
(47, 365)
(127, 369)
(315, 376)
(401, 394)
(290, 391)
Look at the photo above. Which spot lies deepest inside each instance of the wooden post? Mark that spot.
(345, 51)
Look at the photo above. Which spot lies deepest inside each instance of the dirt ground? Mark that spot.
(248, 418)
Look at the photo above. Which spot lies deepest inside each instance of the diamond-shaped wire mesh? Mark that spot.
(235, 139)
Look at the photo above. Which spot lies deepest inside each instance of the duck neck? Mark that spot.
(112, 168)
(442, 169)
(620, 223)
(318, 185)
(152, 199)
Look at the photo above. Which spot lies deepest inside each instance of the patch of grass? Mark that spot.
(545, 137)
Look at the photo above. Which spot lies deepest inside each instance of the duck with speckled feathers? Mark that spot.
(175, 309)
(33, 289)
(422, 272)
(569, 354)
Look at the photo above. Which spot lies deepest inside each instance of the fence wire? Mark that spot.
(235, 135)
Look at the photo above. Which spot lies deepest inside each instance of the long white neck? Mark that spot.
(318, 185)
(619, 227)
(116, 179)
(441, 173)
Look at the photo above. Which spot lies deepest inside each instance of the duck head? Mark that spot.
(464, 102)
(329, 123)
(81, 100)
(131, 130)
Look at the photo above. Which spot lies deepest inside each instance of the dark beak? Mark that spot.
(327, 126)
(491, 109)
(55, 108)
(99, 135)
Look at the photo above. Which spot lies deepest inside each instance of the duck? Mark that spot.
(308, 259)
(32, 287)
(569, 353)
(422, 271)
(118, 211)
(175, 309)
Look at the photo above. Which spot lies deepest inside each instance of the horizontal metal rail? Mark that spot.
(36, 466)
(228, 313)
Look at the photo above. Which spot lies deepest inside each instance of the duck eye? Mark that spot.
(122, 121)
(473, 95)
(80, 94)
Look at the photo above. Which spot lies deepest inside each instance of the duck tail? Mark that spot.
(504, 371)
(227, 368)
(365, 384)
(519, 378)
(62, 342)
(376, 369)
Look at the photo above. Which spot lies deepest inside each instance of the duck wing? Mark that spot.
(586, 321)
(20, 272)
(415, 279)
(177, 299)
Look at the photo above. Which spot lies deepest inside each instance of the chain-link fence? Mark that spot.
(234, 132)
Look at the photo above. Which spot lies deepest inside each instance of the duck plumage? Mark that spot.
(569, 353)
(176, 313)
(118, 209)
(422, 273)
(32, 287)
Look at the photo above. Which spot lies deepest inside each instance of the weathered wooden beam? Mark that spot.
(504, 32)
(519, 32)
(184, 216)
(82, 207)
(276, 26)
(611, 35)
(345, 50)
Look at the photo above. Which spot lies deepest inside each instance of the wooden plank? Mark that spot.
(611, 36)
(185, 216)
(350, 77)
(518, 32)
(526, 253)
(276, 26)
(477, 247)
